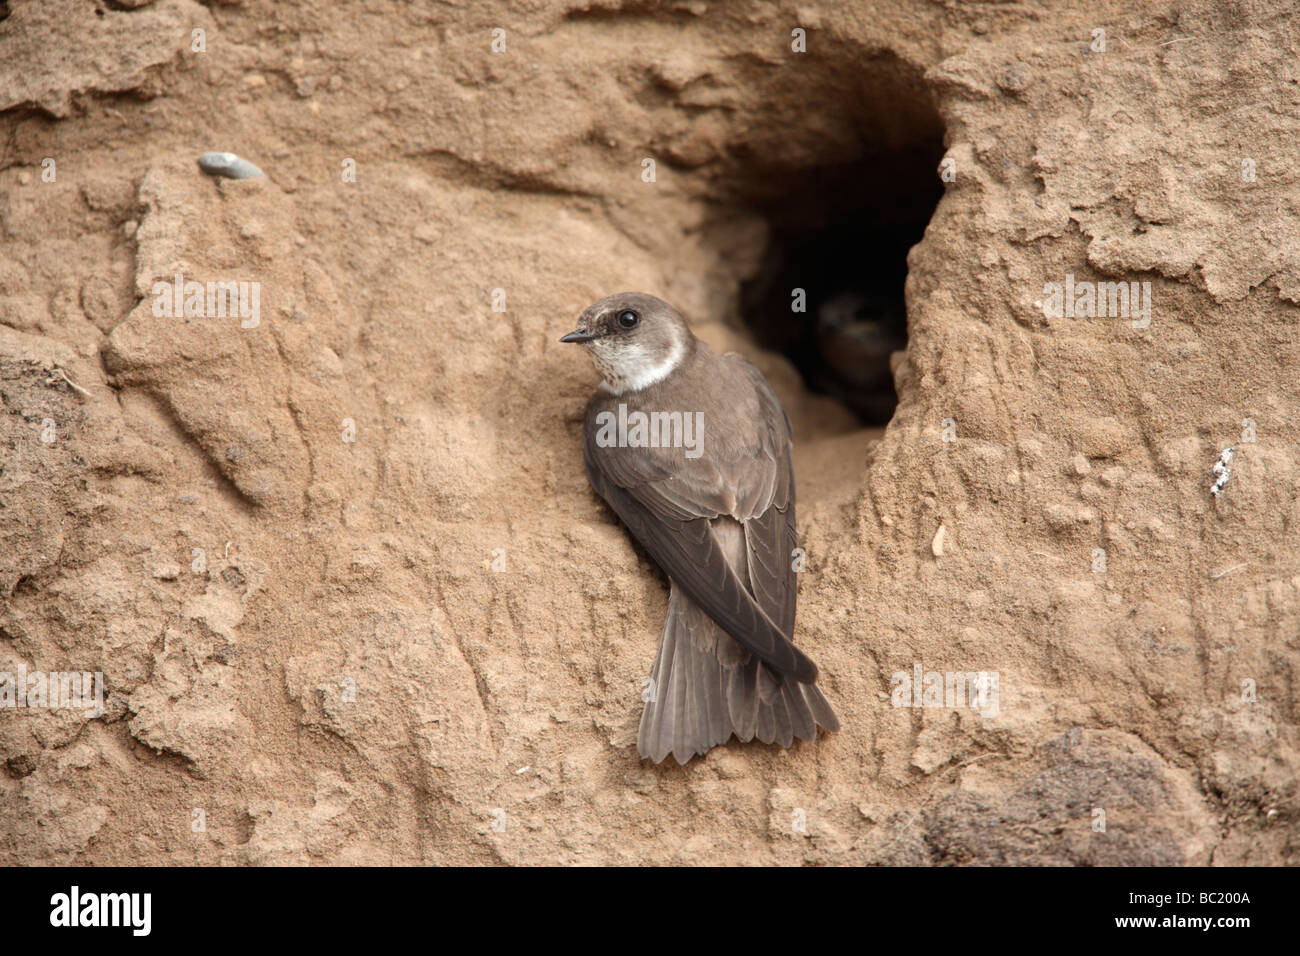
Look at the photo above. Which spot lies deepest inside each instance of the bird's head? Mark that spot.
(634, 340)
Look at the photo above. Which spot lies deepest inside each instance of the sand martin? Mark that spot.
(692, 450)
(856, 335)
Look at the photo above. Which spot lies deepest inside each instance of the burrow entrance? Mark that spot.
(842, 217)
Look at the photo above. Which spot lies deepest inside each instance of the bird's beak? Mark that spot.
(578, 336)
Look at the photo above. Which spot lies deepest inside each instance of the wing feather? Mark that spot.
(688, 553)
(669, 508)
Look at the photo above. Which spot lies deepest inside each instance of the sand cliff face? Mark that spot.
(338, 562)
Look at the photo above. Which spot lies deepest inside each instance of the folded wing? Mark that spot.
(669, 507)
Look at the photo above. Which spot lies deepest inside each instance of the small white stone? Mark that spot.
(228, 165)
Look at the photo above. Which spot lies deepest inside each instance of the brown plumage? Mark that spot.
(719, 520)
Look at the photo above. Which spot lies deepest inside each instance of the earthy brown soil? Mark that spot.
(198, 528)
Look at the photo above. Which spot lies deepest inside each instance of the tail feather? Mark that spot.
(742, 700)
(707, 689)
(715, 698)
(772, 701)
(822, 713)
(802, 724)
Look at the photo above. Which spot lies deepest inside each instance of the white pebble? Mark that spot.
(228, 165)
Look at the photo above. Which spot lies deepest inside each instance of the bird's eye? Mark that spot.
(628, 319)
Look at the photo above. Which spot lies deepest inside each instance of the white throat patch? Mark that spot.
(629, 367)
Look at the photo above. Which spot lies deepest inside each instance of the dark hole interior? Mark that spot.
(842, 234)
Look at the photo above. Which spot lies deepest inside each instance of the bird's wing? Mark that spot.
(668, 509)
(770, 537)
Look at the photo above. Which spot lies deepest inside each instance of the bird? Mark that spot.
(719, 520)
(856, 335)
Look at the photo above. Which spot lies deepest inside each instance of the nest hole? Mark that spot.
(829, 292)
